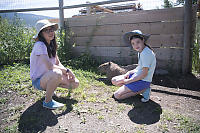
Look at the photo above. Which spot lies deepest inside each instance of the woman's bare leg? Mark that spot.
(50, 81)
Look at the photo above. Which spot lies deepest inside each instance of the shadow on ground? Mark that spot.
(143, 113)
(104, 80)
(36, 118)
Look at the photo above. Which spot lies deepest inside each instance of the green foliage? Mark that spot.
(15, 41)
(196, 57)
(64, 45)
(182, 1)
(86, 62)
(167, 4)
(196, 50)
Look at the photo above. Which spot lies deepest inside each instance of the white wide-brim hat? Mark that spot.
(41, 24)
(128, 35)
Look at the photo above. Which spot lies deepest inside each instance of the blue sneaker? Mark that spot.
(146, 95)
(52, 104)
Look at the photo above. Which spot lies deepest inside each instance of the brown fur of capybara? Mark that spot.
(111, 69)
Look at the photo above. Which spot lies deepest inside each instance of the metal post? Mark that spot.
(88, 9)
(61, 14)
(187, 36)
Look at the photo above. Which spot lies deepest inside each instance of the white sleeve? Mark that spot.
(40, 49)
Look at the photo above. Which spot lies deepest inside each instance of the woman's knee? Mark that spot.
(75, 84)
(57, 74)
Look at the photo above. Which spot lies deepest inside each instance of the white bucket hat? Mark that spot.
(41, 24)
(128, 35)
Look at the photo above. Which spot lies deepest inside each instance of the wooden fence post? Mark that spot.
(187, 36)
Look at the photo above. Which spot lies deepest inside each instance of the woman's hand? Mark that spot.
(70, 75)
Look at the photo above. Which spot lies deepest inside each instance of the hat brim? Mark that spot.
(127, 36)
(47, 25)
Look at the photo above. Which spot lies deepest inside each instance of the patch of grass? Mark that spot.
(88, 79)
(16, 108)
(3, 100)
(14, 77)
(180, 122)
(13, 118)
(91, 99)
(91, 110)
(164, 127)
(77, 109)
(187, 124)
(11, 129)
(140, 129)
(103, 100)
(83, 119)
(100, 117)
(121, 107)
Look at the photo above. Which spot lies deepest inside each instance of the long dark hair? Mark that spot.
(138, 36)
(52, 47)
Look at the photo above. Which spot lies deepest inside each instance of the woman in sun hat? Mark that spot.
(46, 71)
(138, 80)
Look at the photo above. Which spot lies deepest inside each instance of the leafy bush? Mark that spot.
(86, 62)
(196, 50)
(196, 58)
(15, 41)
(64, 45)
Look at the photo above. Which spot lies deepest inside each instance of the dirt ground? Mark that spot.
(174, 101)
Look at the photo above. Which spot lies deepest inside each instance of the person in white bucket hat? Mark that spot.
(46, 71)
(137, 81)
(42, 24)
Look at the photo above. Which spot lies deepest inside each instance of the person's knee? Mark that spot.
(75, 84)
(57, 74)
(113, 80)
(117, 95)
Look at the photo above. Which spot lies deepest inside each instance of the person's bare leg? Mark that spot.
(50, 82)
(124, 92)
(130, 94)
